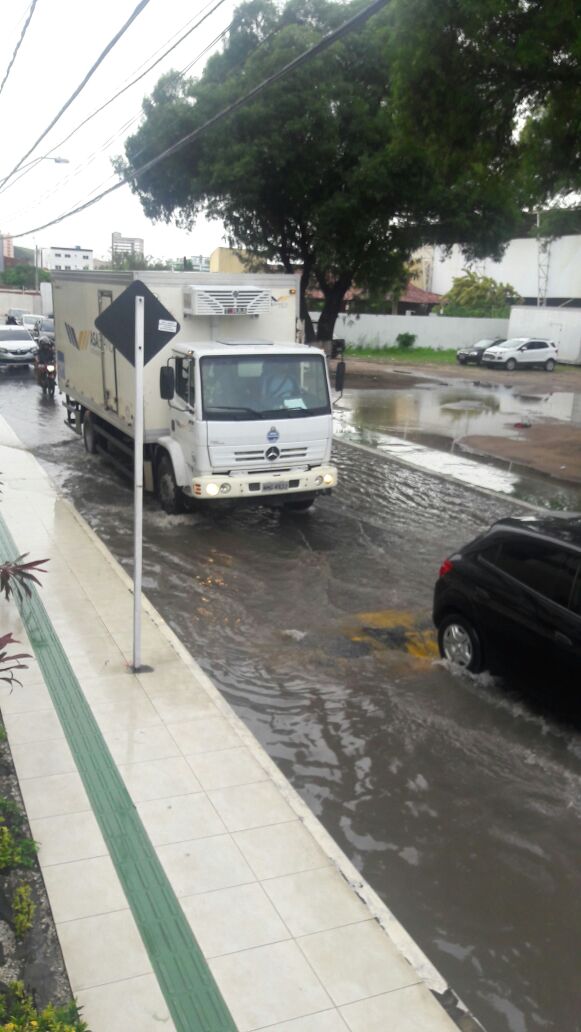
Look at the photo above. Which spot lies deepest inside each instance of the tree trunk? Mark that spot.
(332, 306)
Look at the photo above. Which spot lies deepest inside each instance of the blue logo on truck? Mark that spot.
(273, 434)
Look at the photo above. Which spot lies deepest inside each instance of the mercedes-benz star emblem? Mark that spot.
(271, 454)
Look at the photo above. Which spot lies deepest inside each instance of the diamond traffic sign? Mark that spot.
(117, 323)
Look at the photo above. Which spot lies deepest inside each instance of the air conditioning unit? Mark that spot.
(223, 301)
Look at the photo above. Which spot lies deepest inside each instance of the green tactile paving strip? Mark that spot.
(186, 981)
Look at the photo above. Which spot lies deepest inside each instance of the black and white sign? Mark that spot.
(117, 323)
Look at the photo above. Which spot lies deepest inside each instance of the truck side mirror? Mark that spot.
(340, 376)
(167, 383)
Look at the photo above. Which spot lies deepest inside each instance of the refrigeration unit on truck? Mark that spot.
(235, 410)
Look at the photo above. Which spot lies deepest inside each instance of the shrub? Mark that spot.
(14, 850)
(18, 1014)
(406, 340)
(23, 909)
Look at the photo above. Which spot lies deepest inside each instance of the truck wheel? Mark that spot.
(89, 435)
(170, 496)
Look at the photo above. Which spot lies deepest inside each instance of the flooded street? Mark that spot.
(458, 798)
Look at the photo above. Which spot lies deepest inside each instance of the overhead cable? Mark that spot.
(140, 7)
(307, 55)
(18, 45)
(98, 110)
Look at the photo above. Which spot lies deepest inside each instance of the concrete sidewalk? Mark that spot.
(191, 887)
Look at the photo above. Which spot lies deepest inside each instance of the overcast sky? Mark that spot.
(63, 40)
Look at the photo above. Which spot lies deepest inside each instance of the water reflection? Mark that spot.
(454, 412)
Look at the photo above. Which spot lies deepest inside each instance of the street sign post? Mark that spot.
(138, 481)
(139, 326)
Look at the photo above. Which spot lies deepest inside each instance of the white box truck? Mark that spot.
(235, 409)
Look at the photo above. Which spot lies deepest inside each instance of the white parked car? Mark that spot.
(524, 352)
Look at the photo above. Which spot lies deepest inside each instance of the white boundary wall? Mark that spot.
(27, 299)
(432, 331)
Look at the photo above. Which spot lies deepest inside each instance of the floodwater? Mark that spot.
(403, 422)
(458, 798)
(460, 409)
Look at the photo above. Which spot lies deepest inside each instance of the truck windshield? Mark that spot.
(236, 387)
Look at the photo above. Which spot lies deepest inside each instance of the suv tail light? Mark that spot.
(446, 567)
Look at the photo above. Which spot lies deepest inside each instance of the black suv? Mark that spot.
(515, 590)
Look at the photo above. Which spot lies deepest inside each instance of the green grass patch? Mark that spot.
(447, 356)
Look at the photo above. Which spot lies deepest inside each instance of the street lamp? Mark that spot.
(31, 164)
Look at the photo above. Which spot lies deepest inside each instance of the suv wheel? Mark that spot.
(511, 365)
(460, 643)
(550, 365)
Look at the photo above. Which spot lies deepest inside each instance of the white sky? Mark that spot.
(63, 40)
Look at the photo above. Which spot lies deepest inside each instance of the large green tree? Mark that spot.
(329, 169)
(500, 80)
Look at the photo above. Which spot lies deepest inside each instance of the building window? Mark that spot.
(86, 257)
(58, 266)
(85, 267)
(67, 255)
(58, 254)
(67, 266)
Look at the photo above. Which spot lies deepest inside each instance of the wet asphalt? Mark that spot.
(458, 798)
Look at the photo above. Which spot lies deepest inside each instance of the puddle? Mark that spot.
(424, 426)
(455, 412)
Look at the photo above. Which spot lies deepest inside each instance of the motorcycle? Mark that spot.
(45, 367)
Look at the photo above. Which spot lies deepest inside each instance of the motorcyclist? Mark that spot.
(45, 353)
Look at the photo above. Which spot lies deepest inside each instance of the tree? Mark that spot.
(479, 296)
(23, 277)
(313, 173)
(502, 78)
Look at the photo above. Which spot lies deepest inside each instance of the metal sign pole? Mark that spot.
(138, 481)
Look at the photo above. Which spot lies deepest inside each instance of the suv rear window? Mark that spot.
(545, 568)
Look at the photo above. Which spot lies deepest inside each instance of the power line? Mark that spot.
(140, 7)
(307, 55)
(100, 148)
(98, 110)
(18, 45)
(110, 139)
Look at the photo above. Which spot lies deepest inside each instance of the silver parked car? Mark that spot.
(17, 346)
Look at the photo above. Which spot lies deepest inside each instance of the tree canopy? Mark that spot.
(479, 296)
(398, 135)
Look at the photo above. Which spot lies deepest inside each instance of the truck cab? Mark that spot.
(249, 420)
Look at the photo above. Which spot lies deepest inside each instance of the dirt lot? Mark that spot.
(550, 447)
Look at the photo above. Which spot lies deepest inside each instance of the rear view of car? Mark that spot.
(513, 592)
(16, 346)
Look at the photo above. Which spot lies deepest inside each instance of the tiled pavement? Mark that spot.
(186, 878)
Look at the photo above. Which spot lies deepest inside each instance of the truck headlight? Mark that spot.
(212, 489)
(328, 479)
(225, 488)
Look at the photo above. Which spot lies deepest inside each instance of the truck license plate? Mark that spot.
(275, 485)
